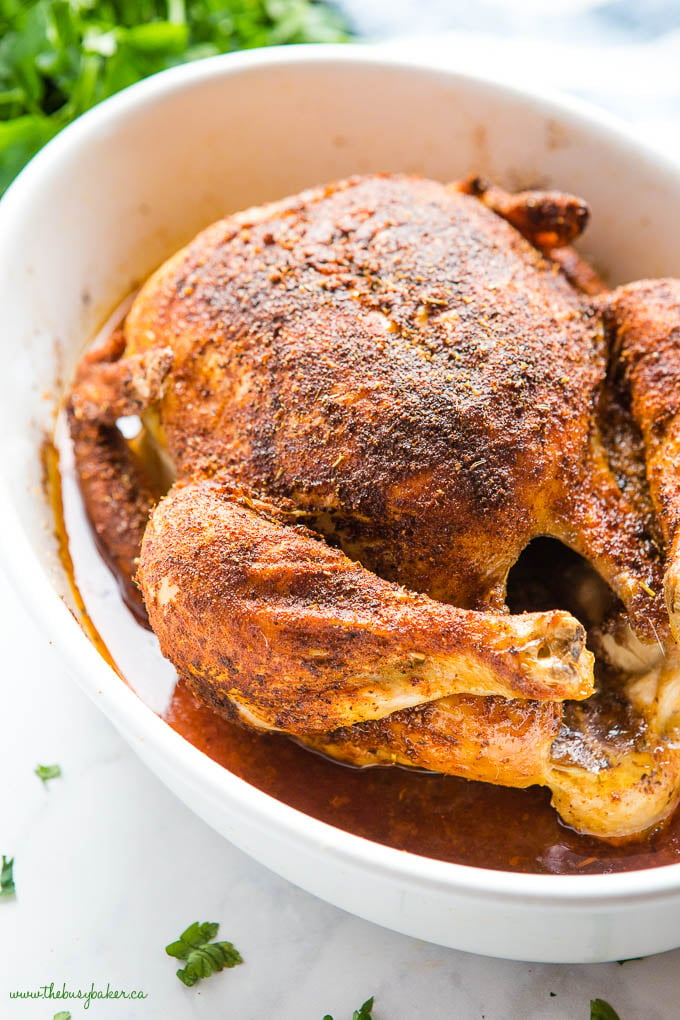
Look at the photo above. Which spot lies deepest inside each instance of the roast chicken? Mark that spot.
(408, 488)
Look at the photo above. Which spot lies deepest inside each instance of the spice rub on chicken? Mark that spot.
(374, 395)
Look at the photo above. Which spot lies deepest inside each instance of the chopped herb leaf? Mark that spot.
(203, 956)
(7, 877)
(46, 772)
(601, 1010)
(365, 1011)
(62, 1016)
(60, 57)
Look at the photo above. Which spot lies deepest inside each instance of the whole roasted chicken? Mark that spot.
(394, 411)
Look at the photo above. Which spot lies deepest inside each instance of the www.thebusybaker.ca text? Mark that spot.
(52, 991)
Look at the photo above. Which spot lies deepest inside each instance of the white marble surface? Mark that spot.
(110, 866)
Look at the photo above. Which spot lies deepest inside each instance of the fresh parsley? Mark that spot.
(64, 1015)
(364, 1012)
(46, 772)
(60, 57)
(601, 1010)
(203, 956)
(7, 877)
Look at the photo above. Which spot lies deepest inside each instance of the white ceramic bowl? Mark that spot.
(122, 188)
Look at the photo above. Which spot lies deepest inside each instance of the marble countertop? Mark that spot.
(110, 866)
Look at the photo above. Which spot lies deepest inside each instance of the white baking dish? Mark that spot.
(117, 192)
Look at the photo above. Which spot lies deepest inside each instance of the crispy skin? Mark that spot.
(117, 489)
(399, 362)
(107, 388)
(375, 394)
(615, 768)
(549, 219)
(494, 740)
(579, 272)
(644, 318)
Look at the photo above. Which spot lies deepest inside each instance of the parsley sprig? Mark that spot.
(7, 877)
(46, 772)
(601, 1010)
(364, 1012)
(60, 57)
(203, 956)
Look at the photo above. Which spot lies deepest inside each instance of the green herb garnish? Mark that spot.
(7, 877)
(364, 1012)
(203, 956)
(601, 1010)
(60, 57)
(62, 1016)
(46, 772)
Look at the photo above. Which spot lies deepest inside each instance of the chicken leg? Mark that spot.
(303, 639)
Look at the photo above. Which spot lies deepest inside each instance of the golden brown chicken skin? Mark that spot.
(375, 395)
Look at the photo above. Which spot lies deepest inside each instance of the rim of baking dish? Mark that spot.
(119, 701)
